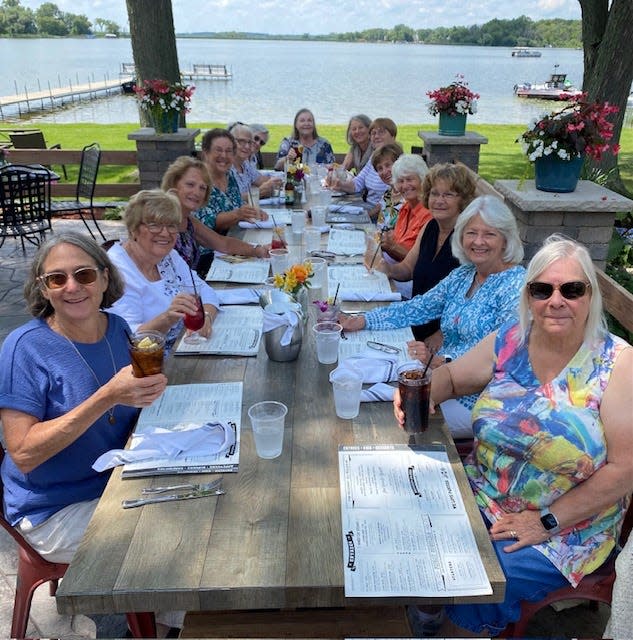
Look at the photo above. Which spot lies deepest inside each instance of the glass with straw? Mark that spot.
(194, 322)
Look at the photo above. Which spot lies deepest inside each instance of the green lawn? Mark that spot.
(501, 158)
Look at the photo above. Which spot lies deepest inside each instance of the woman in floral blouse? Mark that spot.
(552, 467)
(304, 141)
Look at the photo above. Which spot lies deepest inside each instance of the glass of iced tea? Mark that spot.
(415, 393)
(146, 352)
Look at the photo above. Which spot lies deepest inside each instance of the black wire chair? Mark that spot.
(84, 194)
(24, 203)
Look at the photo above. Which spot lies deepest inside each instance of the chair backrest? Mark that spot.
(28, 140)
(24, 198)
(88, 170)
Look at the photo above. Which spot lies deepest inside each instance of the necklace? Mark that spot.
(111, 418)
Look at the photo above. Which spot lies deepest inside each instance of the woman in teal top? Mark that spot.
(552, 466)
(470, 302)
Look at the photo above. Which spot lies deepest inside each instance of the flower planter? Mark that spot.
(553, 174)
(452, 125)
(165, 121)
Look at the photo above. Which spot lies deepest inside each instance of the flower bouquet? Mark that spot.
(295, 279)
(558, 142)
(327, 311)
(454, 99)
(164, 101)
(579, 128)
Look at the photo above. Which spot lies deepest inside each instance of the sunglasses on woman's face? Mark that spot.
(569, 290)
(260, 141)
(58, 279)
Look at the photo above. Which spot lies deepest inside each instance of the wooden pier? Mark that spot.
(207, 72)
(51, 97)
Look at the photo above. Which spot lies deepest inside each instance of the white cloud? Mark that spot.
(317, 17)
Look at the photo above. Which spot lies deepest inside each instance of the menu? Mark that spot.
(237, 331)
(406, 532)
(251, 271)
(281, 216)
(358, 284)
(346, 242)
(201, 403)
(356, 342)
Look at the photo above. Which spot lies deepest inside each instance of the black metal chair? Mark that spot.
(33, 139)
(24, 203)
(84, 194)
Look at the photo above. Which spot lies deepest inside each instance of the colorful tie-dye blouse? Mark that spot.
(537, 441)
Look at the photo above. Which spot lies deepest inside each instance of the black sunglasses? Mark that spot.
(260, 141)
(569, 290)
(58, 279)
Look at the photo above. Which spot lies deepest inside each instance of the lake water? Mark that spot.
(273, 79)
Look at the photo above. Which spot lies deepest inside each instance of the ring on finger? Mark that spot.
(513, 534)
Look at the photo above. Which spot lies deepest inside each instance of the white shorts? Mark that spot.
(458, 418)
(57, 538)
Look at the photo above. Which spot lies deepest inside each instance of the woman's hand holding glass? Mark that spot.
(125, 389)
(247, 213)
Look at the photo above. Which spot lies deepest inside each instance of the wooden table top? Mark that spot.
(274, 539)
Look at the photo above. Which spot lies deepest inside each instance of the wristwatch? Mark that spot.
(549, 521)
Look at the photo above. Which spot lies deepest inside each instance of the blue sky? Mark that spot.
(320, 16)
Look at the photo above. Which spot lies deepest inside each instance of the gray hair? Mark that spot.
(409, 164)
(360, 117)
(37, 304)
(558, 247)
(239, 128)
(152, 205)
(495, 214)
(259, 128)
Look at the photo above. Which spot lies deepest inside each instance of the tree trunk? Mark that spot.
(607, 36)
(153, 43)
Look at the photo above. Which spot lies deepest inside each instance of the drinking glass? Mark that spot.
(267, 420)
(147, 350)
(347, 383)
(278, 260)
(415, 392)
(319, 269)
(327, 336)
(313, 239)
(318, 216)
(298, 220)
(194, 322)
(253, 196)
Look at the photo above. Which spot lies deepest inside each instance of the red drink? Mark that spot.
(278, 241)
(415, 393)
(195, 321)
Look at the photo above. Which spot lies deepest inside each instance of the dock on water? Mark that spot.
(51, 97)
(207, 72)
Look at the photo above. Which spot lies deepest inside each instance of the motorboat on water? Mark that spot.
(556, 88)
(525, 52)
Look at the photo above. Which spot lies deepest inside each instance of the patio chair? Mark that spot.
(595, 587)
(84, 193)
(33, 140)
(33, 571)
(24, 203)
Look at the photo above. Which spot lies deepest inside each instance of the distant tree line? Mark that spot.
(48, 20)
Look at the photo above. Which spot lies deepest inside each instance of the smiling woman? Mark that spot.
(154, 273)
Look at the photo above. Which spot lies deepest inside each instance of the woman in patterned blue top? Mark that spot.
(472, 301)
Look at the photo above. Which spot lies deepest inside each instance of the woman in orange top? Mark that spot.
(408, 174)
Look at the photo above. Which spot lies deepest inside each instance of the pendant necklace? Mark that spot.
(111, 418)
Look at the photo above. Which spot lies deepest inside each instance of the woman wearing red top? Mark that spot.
(408, 174)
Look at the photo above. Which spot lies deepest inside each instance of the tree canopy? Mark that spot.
(47, 20)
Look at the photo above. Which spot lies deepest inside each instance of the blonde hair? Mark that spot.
(151, 205)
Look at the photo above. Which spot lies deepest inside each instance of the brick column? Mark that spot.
(155, 152)
(465, 149)
(586, 215)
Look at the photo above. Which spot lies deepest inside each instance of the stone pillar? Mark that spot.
(586, 215)
(464, 149)
(155, 152)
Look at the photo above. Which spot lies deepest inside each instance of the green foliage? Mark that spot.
(46, 20)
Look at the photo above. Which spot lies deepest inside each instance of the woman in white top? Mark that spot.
(154, 273)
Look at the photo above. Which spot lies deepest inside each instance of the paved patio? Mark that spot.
(579, 622)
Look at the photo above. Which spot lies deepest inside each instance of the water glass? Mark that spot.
(347, 384)
(319, 266)
(278, 260)
(312, 239)
(298, 220)
(253, 196)
(267, 420)
(318, 216)
(327, 336)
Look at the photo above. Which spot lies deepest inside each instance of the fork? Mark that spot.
(205, 486)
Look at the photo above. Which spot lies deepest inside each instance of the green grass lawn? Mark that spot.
(500, 159)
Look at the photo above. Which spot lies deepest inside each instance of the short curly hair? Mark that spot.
(38, 305)
(458, 178)
(151, 205)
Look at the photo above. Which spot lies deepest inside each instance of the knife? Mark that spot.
(201, 493)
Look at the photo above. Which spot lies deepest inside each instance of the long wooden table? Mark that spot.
(273, 541)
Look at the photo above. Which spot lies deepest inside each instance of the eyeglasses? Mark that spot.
(155, 227)
(569, 290)
(260, 141)
(448, 195)
(377, 130)
(58, 279)
(244, 142)
(380, 346)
